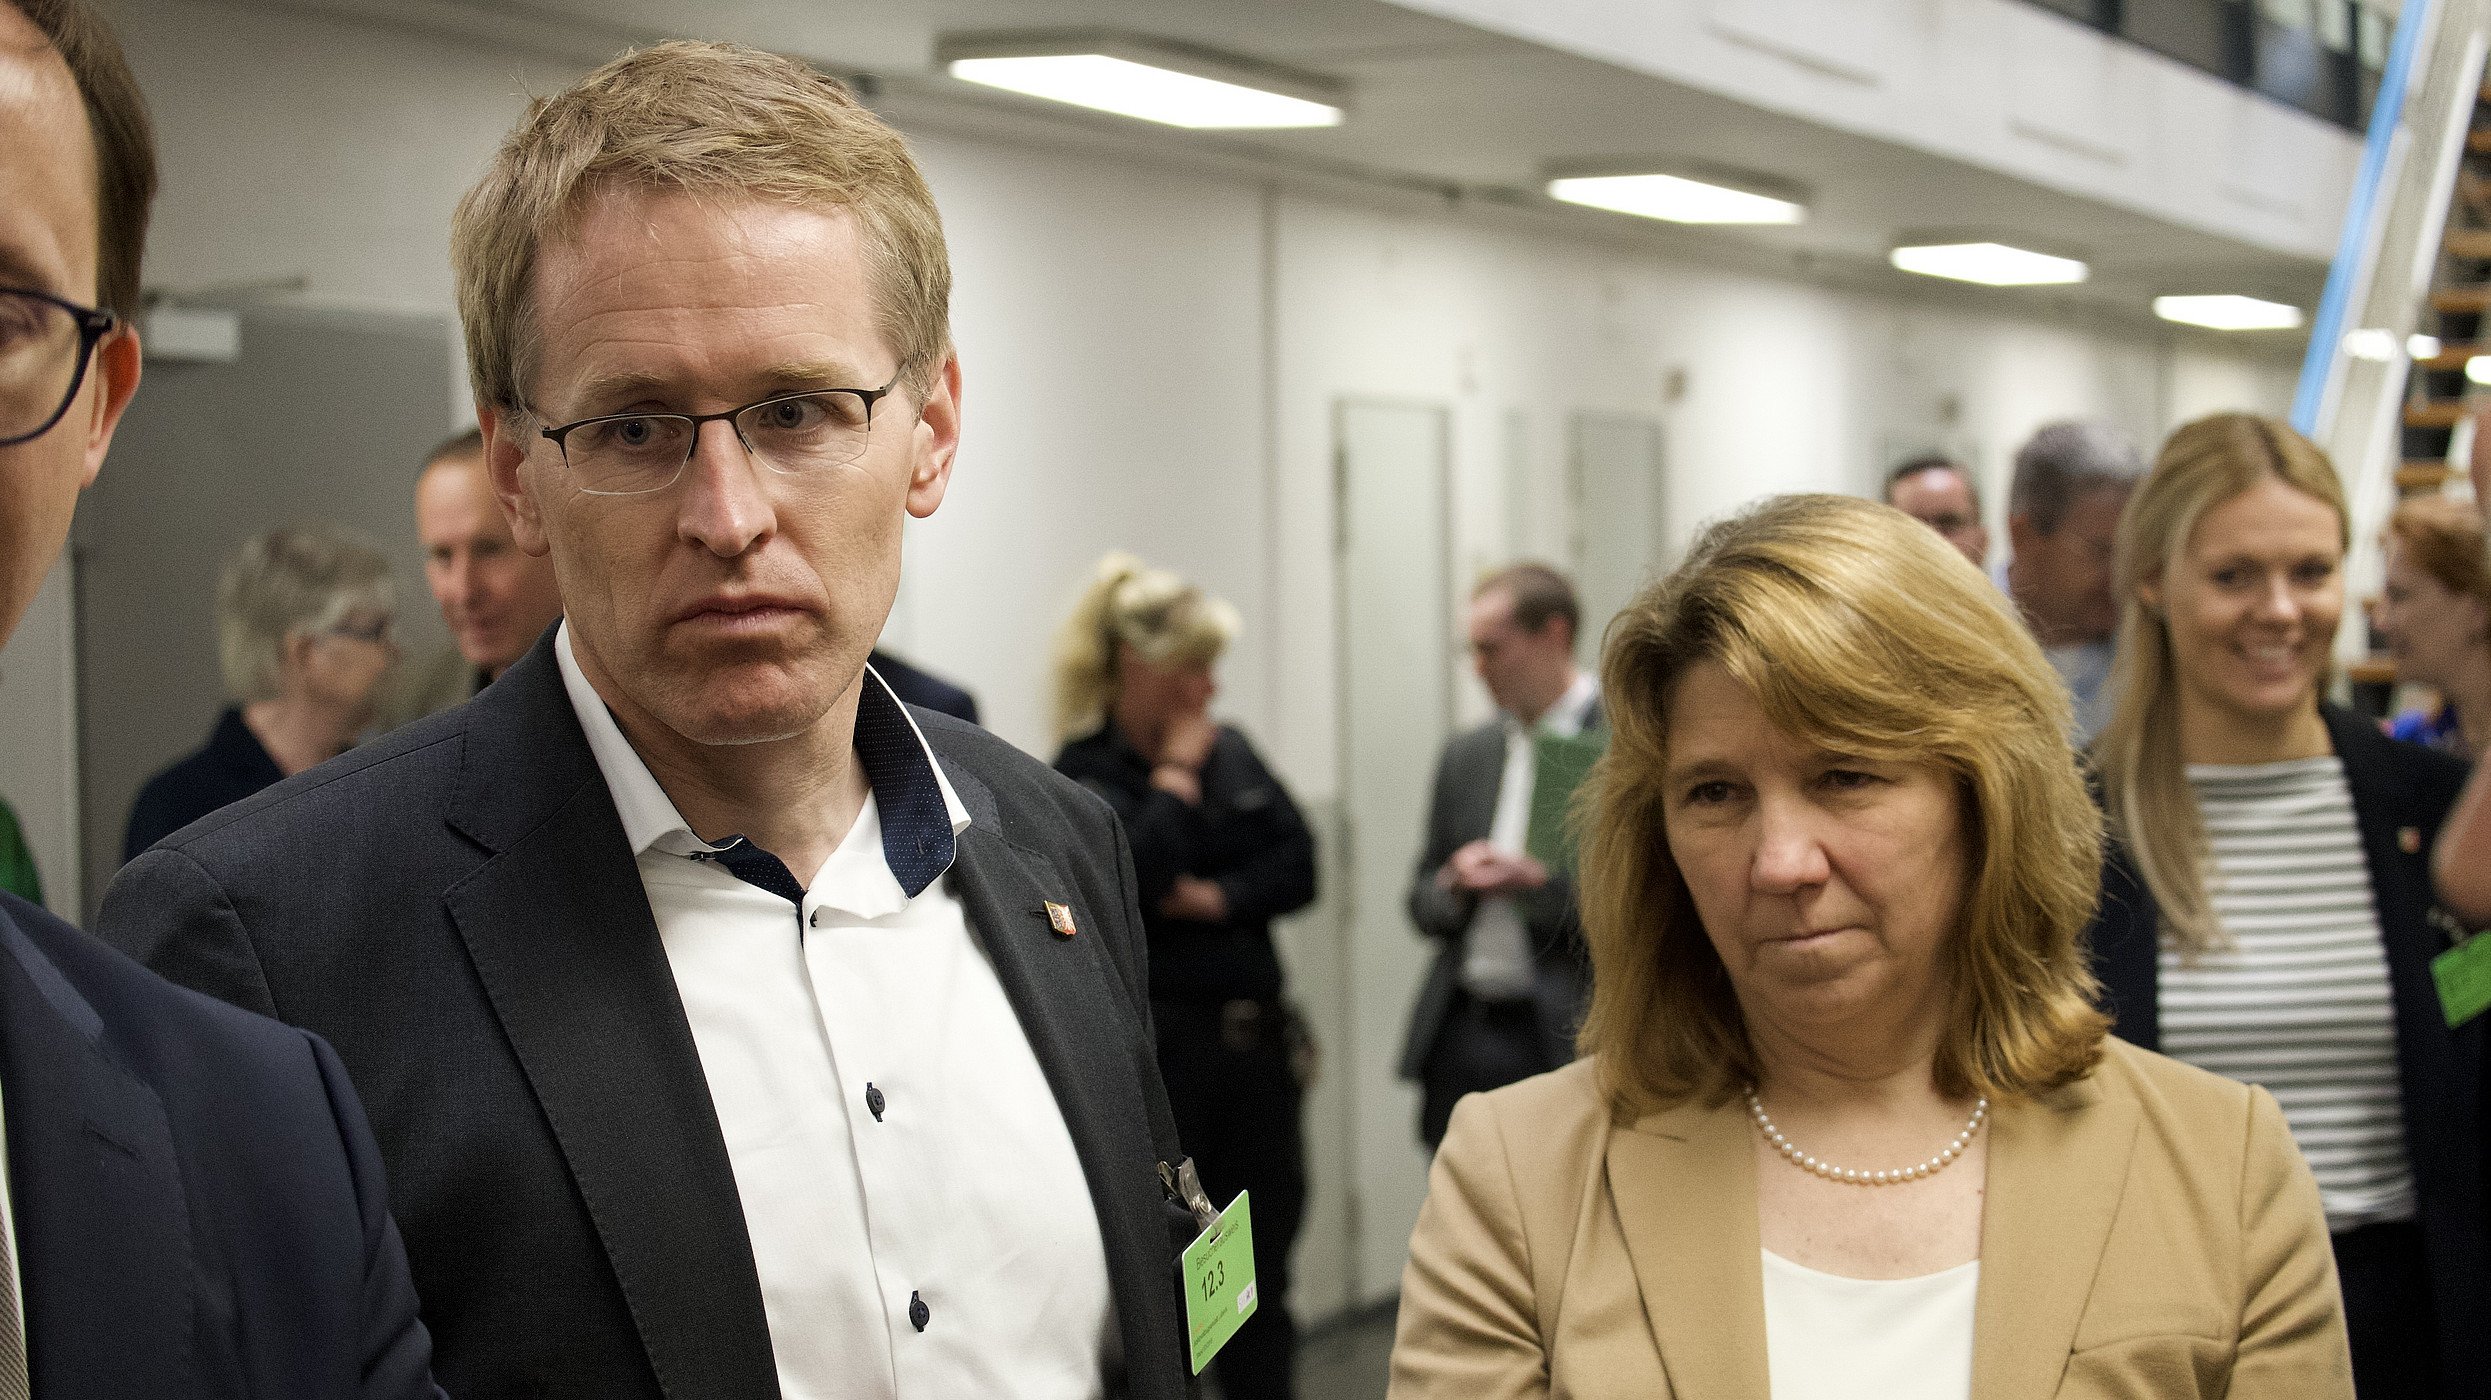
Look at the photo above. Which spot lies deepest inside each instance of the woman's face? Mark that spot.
(1829, 884)
(2431, 629)
(1153, 694)
(341, 669)
(2252, 606)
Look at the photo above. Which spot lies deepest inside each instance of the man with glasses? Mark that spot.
(730, 1030)
(1938, 492)
(192, 1206)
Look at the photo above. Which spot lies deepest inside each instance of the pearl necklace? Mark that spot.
(1790, 1151)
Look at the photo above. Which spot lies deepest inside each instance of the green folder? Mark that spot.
(17, 864)
(1563, 761)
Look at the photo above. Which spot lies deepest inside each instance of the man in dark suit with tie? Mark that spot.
(193, 1207)
(729, 1029)
(1510, 978)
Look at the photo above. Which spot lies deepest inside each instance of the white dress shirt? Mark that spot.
(1496, 952)
(919, 1217)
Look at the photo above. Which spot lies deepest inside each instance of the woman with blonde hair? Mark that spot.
(1847, 1121)
(2434, 613)
(1219, 851)
(303, 617)
(2266, 910)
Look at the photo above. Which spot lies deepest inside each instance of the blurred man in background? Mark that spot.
(1502, 1001)
(496, 598)
(1938, 492)
(2071, 481)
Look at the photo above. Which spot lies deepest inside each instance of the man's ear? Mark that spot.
(2020, 532)
(116, 372)
(935, 442)
(506, 435)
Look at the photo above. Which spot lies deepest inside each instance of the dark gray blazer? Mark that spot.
(1460, 811)
(455, 907)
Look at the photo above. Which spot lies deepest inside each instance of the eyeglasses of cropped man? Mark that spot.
(45, 346)
(630, 454)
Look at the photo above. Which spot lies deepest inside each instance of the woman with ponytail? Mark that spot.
(1219, 851)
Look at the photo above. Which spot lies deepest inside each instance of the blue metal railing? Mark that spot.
(2353, 246)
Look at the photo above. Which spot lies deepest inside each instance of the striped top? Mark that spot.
(2300, 1005)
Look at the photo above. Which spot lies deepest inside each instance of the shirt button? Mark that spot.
(874, 1101)
(918, 1313)
(817, 918)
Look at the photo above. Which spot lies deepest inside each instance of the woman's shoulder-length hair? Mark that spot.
(1861, 632)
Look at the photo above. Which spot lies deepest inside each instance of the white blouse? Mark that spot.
(1832, 1338)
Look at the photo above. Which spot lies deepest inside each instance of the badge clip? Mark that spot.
(1184, 1186)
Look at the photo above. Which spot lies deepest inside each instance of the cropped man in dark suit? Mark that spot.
(729, 1032)
(1508, 985)
(192, 1208)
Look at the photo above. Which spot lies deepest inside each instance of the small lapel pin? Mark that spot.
(1060, 918)
(2409, 840)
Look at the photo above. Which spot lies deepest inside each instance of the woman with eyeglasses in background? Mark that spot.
(303, 618)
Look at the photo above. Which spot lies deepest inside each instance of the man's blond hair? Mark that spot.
(707, 119)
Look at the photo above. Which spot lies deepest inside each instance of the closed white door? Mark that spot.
(1396, 629)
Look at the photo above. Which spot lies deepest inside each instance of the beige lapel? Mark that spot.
(1684, 1181)
(2056, 1170)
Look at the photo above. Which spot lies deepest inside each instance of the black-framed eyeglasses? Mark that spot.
(45, 346)
(630, 454)
(379, 631)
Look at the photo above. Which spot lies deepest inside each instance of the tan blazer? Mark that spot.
(2147, 1231)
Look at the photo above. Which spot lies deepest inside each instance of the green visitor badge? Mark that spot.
(2464, 977)
(1218, 1269)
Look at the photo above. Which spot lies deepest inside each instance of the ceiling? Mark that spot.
(1437, 107)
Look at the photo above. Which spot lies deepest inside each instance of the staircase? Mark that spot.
(2415, 261)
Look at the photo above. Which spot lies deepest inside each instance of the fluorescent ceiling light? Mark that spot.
(2228, 313)
(2379, 346)
(2420, 347)
(1129, 87)
(1990, 264)
(1676, 199)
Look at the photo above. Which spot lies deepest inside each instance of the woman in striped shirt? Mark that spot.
(2266, 912)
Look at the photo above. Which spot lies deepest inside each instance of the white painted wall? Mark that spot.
(1151, 357)
(39, 738)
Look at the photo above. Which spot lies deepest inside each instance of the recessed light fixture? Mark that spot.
(1990, 264)
(2422, 347)
(1133, 77)
(2228, 313)
(1679, 199)
(2478, 369)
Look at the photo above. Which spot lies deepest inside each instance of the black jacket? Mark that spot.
(1246, 835)
(456, 908)
(2401, 792)
(923, 689)
(199, 1209)
(229, 767)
